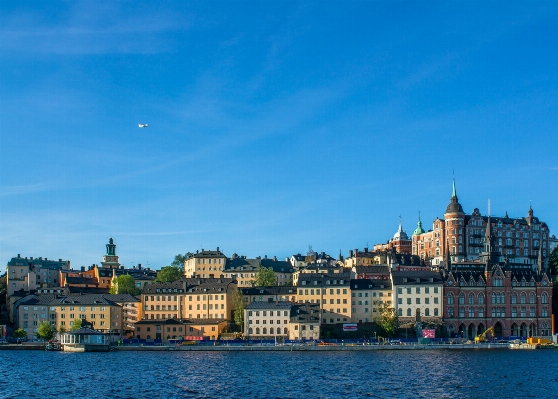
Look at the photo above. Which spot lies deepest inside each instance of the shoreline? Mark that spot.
(282, 348)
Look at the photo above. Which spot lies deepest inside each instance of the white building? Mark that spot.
(417, 291)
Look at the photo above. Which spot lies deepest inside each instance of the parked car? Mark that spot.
(3, 341)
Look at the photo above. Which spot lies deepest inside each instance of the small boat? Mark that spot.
(53, 346)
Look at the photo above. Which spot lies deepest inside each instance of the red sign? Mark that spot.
(428, 333)
(350, 327)
(194, 338)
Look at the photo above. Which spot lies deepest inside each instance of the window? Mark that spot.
(523, 297)
(450, 299)
(544, 297)
(471, 312)
(461, 299)
(531, 298)
(481, 312)
(471, 299)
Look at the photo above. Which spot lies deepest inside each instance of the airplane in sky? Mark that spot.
(143, 125)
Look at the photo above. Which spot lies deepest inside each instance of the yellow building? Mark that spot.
(205, 264)
(331, 291)
(185, 329)
(366, 298)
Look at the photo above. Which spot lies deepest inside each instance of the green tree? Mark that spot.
(168, 274)
(45, 331)
(238, 306)
(553, 261)
(387, 318)
(265, 277)
(179, 260)
(19, 333)
(3, 288)
(76, 325)
(124, 284)
(62, 330)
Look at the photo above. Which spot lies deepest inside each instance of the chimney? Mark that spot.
(83, 268)
(19, 255)
(265, 256)
(365, 249)
(275, 258)
(46, 258)
(139, 266)
(217, 249)
(350, 253)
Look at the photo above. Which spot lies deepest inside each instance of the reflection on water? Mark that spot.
(381, 374)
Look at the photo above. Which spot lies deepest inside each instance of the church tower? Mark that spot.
(110, 259)
(455, 227)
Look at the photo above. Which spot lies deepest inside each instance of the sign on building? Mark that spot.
(428, 333)
(350, 327)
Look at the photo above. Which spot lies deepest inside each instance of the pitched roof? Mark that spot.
(268, 305)
(305, 313)
(416, 277)
(275, 290)
(366, 284)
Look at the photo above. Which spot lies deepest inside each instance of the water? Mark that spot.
(377, 374)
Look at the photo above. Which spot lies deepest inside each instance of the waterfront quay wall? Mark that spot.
(310, 348)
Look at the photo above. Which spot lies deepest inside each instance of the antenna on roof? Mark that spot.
(489, 207)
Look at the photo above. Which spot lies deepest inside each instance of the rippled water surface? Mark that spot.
(378, 374)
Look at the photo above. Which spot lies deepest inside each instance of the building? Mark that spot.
(367, 296)
(180, 329)
(319, 268)
(514, 299)
(205, 264)
(26, 274)
(244, 270)
(400, 242)
(267, 320)
(265, 294)
(189, 298)
(372, 272)
(359, 258)
(101, 310)
(304, 323)
(417, 292)
(461, 235)
(331, 291)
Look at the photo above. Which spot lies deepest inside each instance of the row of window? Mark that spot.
(499, 312)
(257, 321)
(323, 291)
(497, 297)
(426, 312)
(417, 301)
(272, 331)
(271, 313)
(417, 290)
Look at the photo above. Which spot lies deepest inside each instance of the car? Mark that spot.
(3, 341)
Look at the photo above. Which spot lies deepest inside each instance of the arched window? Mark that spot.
(514, 298)
(427, 312)
(480, 282)
(471, 299)
(409, 312)
(285, 331)
(250, 331)
(544, 297)
(481, 298)
(531, 298)
(271, 330)
(471, 283)
(264, 331)
(257, 330)
(400, 312)
(471, 312)
(461, 299)
(523, 297)
(450, 298)
(461, 312)
(493, 298)
(436, 312)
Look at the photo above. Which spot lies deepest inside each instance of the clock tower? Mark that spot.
(110, 259)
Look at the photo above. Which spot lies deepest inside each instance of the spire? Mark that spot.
(400, 224)
(453, 192)
(419, 230)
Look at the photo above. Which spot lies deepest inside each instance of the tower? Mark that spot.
(455, 227)
(110, 259)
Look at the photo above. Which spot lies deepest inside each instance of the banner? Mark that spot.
(350, 327)
(428, 333)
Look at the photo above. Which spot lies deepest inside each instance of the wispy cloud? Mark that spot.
(91, 28)
(25, 189)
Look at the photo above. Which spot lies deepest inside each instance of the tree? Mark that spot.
(553, 261)
(45, 331)
(265, 277)
(124, 284)
(310, 256)
(180, 259)
(238, 306)
(3, 288)
(76, 325)
(168, 274)
(19, 333)
(62, 330)
(387, 318)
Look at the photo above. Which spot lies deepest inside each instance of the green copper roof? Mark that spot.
(419, 229)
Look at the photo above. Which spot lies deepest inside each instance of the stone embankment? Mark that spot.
(292, 348)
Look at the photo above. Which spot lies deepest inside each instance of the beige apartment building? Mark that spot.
(185, 329)
(305, 321)
(269, 294)
(25, 274)
(267, 320)
(101, 310)
(189, 298)
(367, 296)
(417, 291)
(331, 291)
(205, 264)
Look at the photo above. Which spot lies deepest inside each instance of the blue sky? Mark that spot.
(273, 125)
